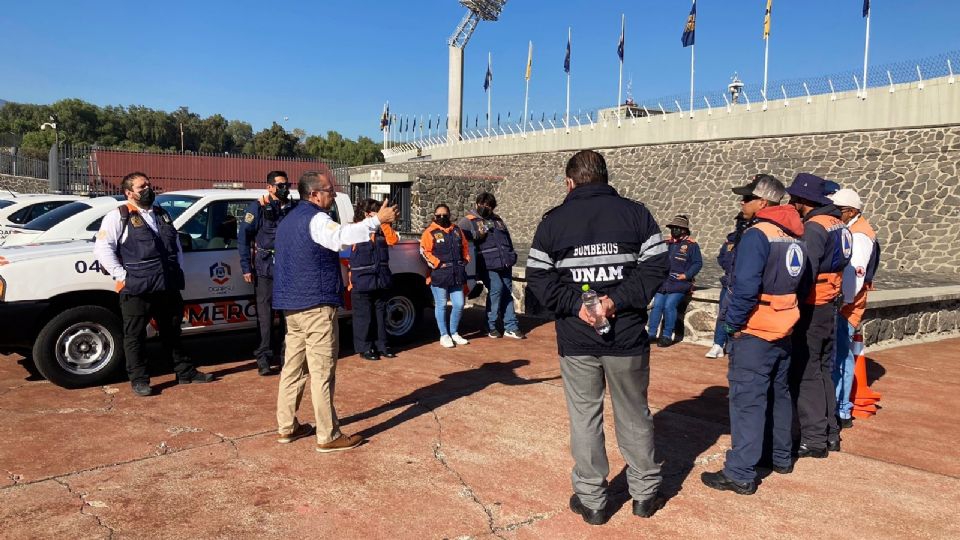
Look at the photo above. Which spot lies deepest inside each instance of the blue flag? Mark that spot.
(488, 79)
(690, 30)
(866, 8)
(620, 43)
(566, 59)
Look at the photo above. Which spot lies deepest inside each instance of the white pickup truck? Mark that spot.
(58, 306)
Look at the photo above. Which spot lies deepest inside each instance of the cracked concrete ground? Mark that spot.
(462, 443)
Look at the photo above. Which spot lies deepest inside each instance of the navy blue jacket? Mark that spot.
(259, 229)
(684, 259)
(307, 274)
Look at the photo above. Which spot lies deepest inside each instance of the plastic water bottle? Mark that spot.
(592, 302)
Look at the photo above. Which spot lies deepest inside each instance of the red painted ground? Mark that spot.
(463, 443)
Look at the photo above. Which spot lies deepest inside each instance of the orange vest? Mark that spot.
(827, 286)
(853, 311)
(776, 313)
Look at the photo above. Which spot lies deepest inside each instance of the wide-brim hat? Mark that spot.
(810, 187)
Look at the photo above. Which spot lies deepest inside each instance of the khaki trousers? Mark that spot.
(311, 347)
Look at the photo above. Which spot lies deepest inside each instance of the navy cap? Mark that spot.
(810, 187)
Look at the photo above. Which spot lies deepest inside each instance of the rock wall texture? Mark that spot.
(23, 184)
(908, 178)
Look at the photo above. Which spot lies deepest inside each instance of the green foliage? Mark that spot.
(141, 128)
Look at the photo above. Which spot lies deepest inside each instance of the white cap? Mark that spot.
(847, 197)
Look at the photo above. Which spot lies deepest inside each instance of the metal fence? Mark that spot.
(879, 77)
(17, 165)
(96, 170)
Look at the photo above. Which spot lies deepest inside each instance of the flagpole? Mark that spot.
(567, 117)
(866, 51)
(692, 47)
(623, 19)
(526, 95)
(490, 89)
(766, 58)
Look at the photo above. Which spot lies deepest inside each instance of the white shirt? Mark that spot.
(109, 238)
(333, 236)
(854, 273)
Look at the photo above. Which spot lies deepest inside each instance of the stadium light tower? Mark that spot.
(477, 10)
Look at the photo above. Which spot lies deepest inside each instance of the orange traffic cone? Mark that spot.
(863, 398)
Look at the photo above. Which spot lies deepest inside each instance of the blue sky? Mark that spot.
(331, 64)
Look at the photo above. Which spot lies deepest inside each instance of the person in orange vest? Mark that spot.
(444, 247)
(857, 280)
(369, 282)
(685, 264)
(828, 244)
(762, 309)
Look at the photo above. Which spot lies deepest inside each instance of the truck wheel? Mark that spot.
(403, 314)
(82, 346)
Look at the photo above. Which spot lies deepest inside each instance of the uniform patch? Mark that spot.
(333, 225)
(861, 271)
(248, 218)
(794, 260)
(846, 242)
(166, 218)
(136, 221)
(729, 247)
(101, 235)
(683, 248)
(438, 237)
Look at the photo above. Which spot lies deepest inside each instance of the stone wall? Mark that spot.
(908, 178)
(23, 184)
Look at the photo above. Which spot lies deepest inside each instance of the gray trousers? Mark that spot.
(584, 380)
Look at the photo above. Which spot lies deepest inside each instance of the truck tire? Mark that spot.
(404, 313)
(81, 346)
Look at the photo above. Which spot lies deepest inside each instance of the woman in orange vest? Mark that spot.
(369, 281)
(444, 247)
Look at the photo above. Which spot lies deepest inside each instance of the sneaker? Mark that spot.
(343, 442)
(715, 352)
(719, 481)
(515, 334)
(301, 431)
(459, 340)
(494, 334)
(446, 341)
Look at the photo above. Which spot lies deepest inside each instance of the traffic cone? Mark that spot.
(863, 398)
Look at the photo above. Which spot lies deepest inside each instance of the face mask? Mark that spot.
(484, 211)
(283, 192)
(443, 221)
(147, 197)
(676, 233)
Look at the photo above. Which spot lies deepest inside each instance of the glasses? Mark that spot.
(282, 184)
(330, 190)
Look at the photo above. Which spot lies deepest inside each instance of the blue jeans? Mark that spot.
(440, 295)
(719, 335)
(843, 367)
(665, 306)
(500, 300)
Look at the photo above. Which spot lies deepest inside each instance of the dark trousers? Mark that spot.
(811, 374)
(369, 313)
(271, 342)
(759, 393)
(166, 309)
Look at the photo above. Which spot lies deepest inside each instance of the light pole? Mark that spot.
(52, 124)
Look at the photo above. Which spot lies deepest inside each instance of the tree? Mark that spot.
(240, 133)
(274, 141)
(36, 144)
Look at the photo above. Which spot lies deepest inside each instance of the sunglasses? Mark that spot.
(282, 184)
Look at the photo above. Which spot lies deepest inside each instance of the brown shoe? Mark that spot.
(301, 431)
(343, 442)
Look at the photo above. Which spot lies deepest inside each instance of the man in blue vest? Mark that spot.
(495, 260)
(256, 239)
(308, 287)
(138, 245)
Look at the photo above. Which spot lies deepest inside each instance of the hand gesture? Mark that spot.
(387, 214)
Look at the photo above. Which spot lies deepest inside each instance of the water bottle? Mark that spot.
(593, 305)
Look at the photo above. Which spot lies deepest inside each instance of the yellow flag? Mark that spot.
(766, 20)
(529, 60)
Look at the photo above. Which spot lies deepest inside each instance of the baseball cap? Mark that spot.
(764, 186)
(847, 197)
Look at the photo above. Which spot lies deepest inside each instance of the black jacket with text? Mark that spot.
(611, 243)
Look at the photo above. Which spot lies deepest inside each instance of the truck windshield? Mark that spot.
(51, 218)
(176, 204)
